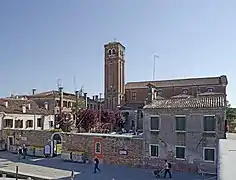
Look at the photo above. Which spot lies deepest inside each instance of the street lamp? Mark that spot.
(154, 65)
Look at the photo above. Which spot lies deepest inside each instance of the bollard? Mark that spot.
(17, 169)
(72, 175)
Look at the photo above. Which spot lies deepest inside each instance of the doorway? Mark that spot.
(56, 144)
(10, 142)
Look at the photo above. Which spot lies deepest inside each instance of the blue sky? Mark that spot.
(41, 41)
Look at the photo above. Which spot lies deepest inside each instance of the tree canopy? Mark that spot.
(88, 120)
(231, 117)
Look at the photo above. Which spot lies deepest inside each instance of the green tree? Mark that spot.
(230, 113)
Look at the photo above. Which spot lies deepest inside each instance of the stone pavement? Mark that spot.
(57, 169)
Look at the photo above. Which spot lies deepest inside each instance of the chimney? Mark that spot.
(24, 109)
(61, 98)
(6, 104)
(150, 95)
(29, 106)
(46, 105)
(96, 97)
(93, 97)
(86, 100)
(33, 91)
(76, 99)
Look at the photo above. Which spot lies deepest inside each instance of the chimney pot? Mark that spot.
(46, 105)
(6, 104)
(33, 91)
(24, 109)
(96, 97)
(29, 106)
(86, 100)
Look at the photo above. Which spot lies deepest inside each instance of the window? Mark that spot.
(180, 123)
(210, 89)
(109, 52)
(209, 154)
(154, 150)
(69, 104)
(9, 123)
(57, 103)
(65, 104)
(29, 123)
(18, 123)
(97, 147)
(121, 53)
(155, 123)
(113, 51)
(39, 122)
(185, 91)
(180, 152)
(209, 123)
(159, 93)
(51, 124)
(133, 95)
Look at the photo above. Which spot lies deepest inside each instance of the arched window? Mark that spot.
(109, 52)
(113, 51)
(160, 92)
(210, 89)
(185, 91)
(97, 147)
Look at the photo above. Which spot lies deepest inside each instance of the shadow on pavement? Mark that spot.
(117, 172)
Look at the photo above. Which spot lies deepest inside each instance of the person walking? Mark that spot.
(96, 164)
(167, 169)
(24, 151)
(20, 152)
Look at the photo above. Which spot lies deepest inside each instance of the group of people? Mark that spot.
(22, 151)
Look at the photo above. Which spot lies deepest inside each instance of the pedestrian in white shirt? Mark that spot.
(167, 169)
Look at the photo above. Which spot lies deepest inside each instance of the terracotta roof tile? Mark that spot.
(15, 107)
(180, 82)
(200, 102)
(132, 106)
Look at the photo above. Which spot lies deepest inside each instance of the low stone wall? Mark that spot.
(115, 150)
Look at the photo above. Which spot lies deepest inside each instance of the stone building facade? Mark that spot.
(138, 92)
(186, 131)
(24, 114)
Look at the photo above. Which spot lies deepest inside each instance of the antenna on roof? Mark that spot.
(59, 85)
(75, 86)
(114, 39)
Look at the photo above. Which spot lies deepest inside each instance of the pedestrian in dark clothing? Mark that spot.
(24, 151)
(167, 169)
(96, 163)
(20, 152)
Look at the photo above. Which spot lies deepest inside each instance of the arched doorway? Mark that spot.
(56, 144)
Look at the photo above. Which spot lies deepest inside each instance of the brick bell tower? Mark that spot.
(114, 75)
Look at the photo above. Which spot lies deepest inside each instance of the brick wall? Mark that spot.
(111, 146)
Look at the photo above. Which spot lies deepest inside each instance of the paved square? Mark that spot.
(55, 168)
